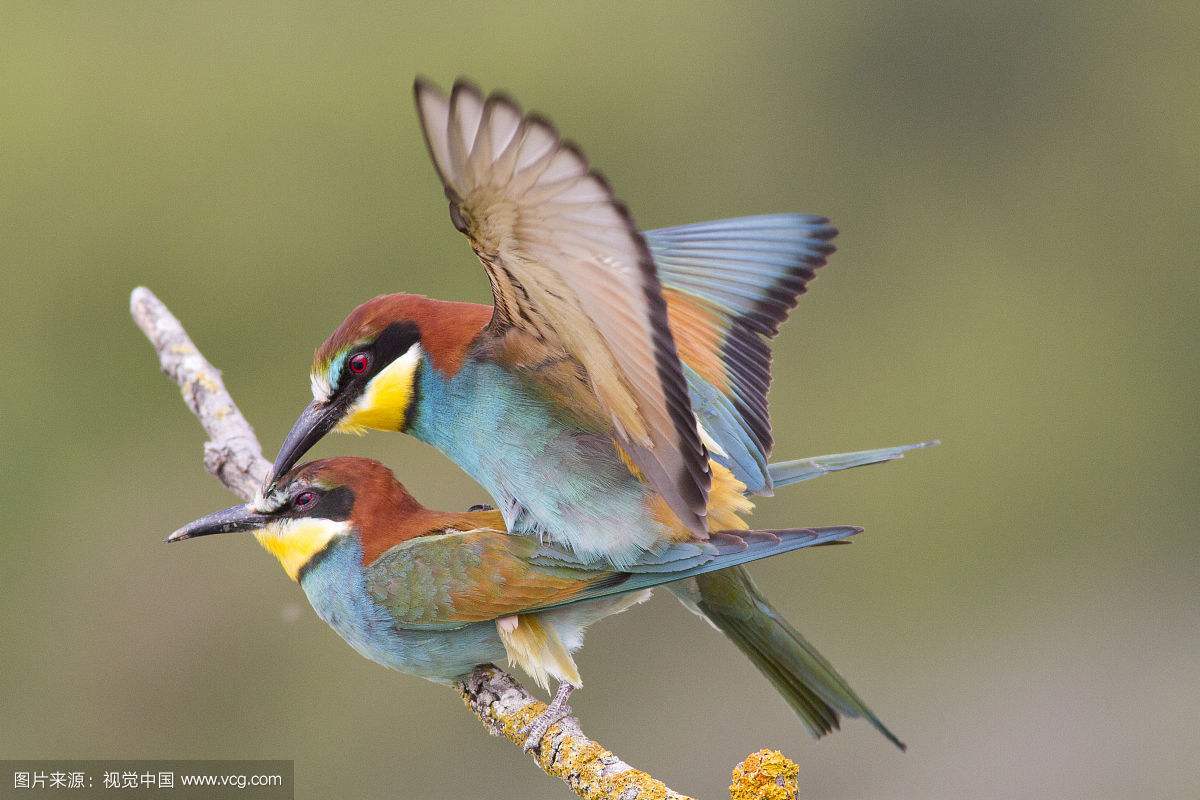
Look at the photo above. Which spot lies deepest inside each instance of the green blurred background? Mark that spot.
(1017, 189)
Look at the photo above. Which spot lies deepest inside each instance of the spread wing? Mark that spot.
(450, 580)
(568, 267)
(729, 284)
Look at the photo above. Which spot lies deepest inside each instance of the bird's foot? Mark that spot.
(556, 712)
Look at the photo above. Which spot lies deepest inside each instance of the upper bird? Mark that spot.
(435, 593)
(613, 400)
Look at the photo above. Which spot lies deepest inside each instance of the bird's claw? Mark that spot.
(557, 711)
(536, 730)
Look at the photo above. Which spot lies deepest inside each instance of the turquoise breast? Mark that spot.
(548, 477)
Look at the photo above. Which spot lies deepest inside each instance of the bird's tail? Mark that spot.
(710, 579)
(809, 683)
(785, 473)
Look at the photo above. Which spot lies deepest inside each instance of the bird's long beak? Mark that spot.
(231, 520)
(316, 420)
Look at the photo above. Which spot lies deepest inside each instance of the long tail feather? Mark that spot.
(785, 473)
(709, 579)
(809, 683)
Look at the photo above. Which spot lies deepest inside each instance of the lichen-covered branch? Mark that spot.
(234, 456)
(592, 772)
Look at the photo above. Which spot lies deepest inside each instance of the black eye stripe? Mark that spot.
(335, 504)
(393, 342)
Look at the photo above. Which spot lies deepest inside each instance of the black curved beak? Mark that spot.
(316, 420)
(231, 520)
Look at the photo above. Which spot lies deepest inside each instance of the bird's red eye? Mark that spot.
(305, 500)
(359, 363)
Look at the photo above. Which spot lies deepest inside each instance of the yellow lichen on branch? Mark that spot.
(589, 769)
(765, 775)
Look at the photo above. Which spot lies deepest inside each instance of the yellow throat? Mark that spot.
(295, 542)
(384, 403)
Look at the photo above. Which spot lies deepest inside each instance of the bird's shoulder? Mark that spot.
(551, 372)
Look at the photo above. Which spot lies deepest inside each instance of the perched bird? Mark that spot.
(613, 400)
(436, 593)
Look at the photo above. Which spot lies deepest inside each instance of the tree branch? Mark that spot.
(232, 453)
(234, 457)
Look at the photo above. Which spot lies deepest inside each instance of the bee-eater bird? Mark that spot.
(613, 400)
(436, 593)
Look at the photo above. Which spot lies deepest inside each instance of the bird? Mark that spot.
(437, 593)
(613, 398)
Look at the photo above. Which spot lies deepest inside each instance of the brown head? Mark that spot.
(319, 503)
(365, 375)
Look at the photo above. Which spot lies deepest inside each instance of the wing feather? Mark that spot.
(567, 266)
(448, 580)
(729, 284)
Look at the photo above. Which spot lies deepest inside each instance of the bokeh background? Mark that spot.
(1017, 187)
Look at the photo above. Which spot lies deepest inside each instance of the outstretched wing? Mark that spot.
(450, 580)
(568, 267)
(729, 284)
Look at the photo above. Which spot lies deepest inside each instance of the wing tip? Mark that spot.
(826, 231)
(463, 85)
(423, 85)
(499, 97)
(537, 118)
